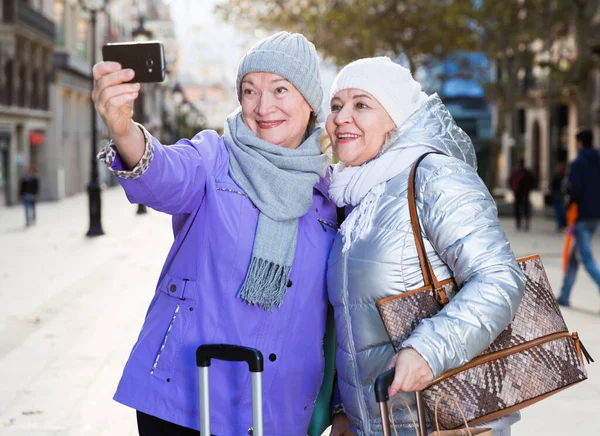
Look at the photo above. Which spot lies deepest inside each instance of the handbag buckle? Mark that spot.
(440, 296)
(581, 350)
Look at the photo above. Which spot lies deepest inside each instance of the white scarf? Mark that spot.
(364, 185)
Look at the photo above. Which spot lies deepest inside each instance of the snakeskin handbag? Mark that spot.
(533, 358)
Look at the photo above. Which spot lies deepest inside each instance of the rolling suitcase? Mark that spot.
(382, 385)
(232, 353)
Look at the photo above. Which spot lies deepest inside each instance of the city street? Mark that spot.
(71, 308)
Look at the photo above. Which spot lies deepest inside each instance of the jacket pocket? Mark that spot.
(166, 337)
(169, 319)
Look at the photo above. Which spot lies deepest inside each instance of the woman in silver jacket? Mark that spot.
(380, 123)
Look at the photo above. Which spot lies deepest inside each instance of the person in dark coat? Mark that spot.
(557, 190)
(28, 192)
(582, 187)
(522, 183)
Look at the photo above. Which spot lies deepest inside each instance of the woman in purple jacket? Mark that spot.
(253, 227)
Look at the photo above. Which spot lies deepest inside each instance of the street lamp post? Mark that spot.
(178, 98)
(141, 34)
(95, 205)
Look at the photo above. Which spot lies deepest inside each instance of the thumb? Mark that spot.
(397, 382)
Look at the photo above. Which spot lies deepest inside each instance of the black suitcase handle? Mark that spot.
(231, 353)
(382, 385)
(382, 395)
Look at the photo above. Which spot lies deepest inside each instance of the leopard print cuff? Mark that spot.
(109, 153)
(338, 408)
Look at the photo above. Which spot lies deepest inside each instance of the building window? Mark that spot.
(46, 93)
(35, 91)
(9, 81)
(64, 113)
(9, 11)
(59, 20)
(81, 45)
(21, 92)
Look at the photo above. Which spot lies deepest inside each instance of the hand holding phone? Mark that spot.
(146, 59)
(114, 95)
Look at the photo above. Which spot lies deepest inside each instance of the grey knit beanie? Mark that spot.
(291, 56)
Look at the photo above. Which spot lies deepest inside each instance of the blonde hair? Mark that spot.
(390, 138)
(324, 142)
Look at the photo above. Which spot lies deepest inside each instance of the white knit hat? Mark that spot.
(391, 84)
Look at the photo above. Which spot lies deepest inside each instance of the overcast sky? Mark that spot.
(211, 48)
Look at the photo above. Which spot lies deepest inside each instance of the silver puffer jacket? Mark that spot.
(463, 238)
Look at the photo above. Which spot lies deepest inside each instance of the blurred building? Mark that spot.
(26, 45)
(45, 83)
(67, 157)
(156, 107)
(547, 117)
(546, 124)
(214, 99)
(465, 98)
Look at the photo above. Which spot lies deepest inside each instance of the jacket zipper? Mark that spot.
(233, 191)
(359, 394)
(326, 223)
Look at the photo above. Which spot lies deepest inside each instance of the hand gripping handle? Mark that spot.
(382, 386)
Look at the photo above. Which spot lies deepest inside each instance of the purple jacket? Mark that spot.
(196, 300)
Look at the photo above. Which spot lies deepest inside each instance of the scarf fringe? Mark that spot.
(265, 284)
(360, 221)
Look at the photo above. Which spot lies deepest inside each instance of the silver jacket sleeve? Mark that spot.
(458, 216)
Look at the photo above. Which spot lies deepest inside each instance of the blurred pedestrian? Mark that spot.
(522, 183)
(28, 192)
(557, 191)
(583, 188)
(253, 227)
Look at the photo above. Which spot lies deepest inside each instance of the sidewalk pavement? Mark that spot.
(71, 308)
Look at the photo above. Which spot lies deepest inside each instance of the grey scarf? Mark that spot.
(279, 181)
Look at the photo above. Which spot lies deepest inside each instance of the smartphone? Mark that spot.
(146, 59)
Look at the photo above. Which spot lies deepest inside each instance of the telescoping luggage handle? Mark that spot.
(382, 386)
(231, 353)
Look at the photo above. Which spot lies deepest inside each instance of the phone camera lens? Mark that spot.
(149, 63)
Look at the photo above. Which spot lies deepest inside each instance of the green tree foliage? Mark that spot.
(582, 16)
(507, 32)
(426, 31)
(345, 30)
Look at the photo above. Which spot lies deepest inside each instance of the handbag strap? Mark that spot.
(429, 278)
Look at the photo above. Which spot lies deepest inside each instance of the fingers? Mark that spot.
(118, 102)
(412, 372)
(111, 100)
(106, 95)
(103, 68)
(398, 384)
(112, 79)
(409, 380)
(108, 74)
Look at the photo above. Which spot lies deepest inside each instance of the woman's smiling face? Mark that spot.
(357, 126)
(274, 109)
